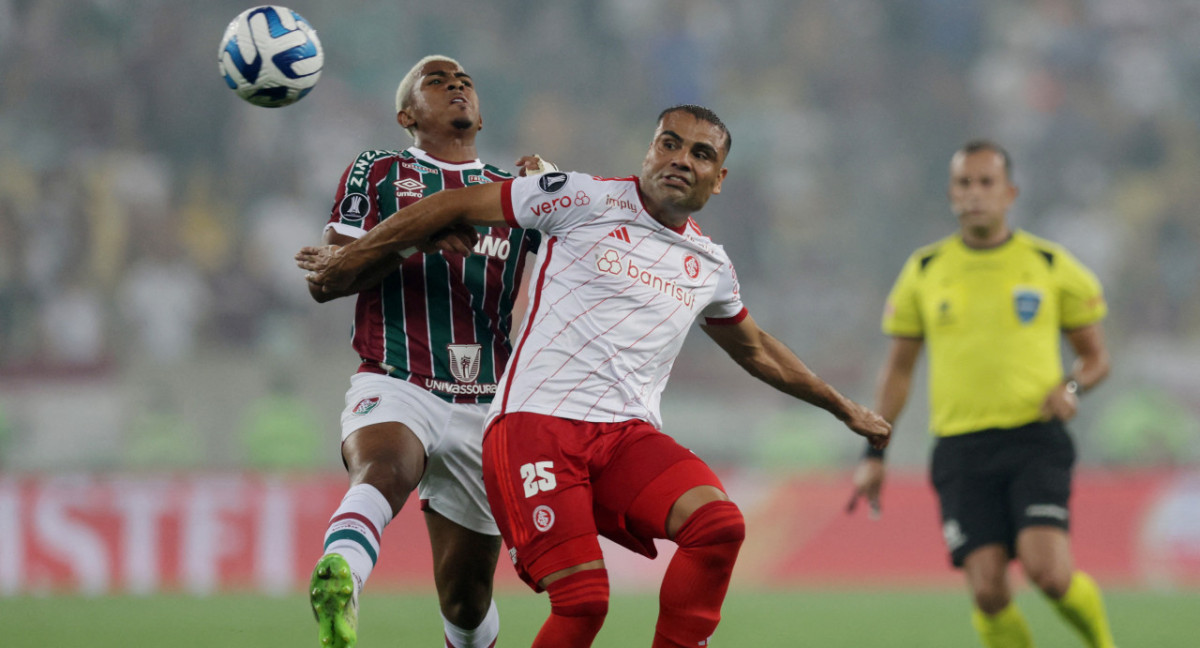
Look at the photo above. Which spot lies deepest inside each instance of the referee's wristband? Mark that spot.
(873, 453)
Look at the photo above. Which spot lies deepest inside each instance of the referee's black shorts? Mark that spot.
(995, 482)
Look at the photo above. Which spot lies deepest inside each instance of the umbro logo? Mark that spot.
(409, 187)
(620, 233)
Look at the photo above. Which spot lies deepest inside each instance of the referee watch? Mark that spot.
(1072, 386)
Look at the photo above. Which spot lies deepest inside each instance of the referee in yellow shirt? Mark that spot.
(992, 304)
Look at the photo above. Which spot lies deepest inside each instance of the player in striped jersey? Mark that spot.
(431, 329)
(574, 448)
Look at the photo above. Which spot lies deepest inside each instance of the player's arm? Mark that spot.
(337, 269)
(1091, 366)
(769, 360)
(369, 277)
(895, 379)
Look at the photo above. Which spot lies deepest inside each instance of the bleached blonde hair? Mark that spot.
(404, 91)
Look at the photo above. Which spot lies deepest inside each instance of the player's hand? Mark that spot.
(329, 268)
(868, 482)
(531, 165)
(867, 423)
(460, 238)
(1060, 404)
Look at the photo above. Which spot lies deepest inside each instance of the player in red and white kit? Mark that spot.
(432, 335)
(573, 448)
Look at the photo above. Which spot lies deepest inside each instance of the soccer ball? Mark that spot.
(270, 56)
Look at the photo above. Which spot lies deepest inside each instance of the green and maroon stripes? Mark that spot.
(433, 301)
(354, 528)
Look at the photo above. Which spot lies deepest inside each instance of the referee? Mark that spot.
(993, 304)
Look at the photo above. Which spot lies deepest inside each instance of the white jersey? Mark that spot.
(612, 296)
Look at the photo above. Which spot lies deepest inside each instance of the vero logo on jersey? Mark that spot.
(547, 207)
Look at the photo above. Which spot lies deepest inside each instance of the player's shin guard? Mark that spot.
(1004, 629)
(355, 528)
(1083, 607)
(484, 636)
(578, 605)
(694, 586)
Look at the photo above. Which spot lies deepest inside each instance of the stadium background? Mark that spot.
(160, 358)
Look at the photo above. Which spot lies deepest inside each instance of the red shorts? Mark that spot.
(554, 484)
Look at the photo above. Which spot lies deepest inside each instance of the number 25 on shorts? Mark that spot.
(538, 477)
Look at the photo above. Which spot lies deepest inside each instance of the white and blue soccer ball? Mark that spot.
(270, 56)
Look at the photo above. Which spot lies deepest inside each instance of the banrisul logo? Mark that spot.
(365, 406)
(1026, 301)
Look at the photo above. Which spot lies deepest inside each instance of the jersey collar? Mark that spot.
(444, 164)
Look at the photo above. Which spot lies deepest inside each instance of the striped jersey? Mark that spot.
(440, 321)
(613, 294)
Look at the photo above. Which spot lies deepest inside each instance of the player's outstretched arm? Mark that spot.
(769, 360)
(336, 269)
(895, 378)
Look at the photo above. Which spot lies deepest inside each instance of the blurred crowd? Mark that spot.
(149, 217)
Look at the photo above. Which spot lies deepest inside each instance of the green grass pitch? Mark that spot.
(789, 618)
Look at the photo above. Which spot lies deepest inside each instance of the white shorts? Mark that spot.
(452, 434)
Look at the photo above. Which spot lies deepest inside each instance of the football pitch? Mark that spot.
(788, 618)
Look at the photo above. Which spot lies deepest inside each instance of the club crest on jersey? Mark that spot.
(1026, 301)
(464, 361)
(354, 207)
(691, 265)
(543, 518)
(365, 405)
(417, 166)
(409, 188)
(552, 182)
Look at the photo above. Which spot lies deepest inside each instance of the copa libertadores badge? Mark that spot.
(270, 56)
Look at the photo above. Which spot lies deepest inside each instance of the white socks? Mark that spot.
(355, 529)
(482, 637)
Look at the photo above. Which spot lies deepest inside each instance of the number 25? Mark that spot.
(538, 477)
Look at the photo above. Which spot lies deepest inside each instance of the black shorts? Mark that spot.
(994, 483)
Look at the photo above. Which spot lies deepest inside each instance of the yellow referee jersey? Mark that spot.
(991, 320)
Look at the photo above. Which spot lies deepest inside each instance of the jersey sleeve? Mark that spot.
(726, 307)
(551, 202)
(901, 312)
(356, 206)
(1081, 298)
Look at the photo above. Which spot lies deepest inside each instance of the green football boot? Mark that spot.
(334, 602)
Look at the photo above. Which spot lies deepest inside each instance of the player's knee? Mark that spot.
(1052, 581)
(990, 599)
(715, 523)
(582, 595)
(466, 611)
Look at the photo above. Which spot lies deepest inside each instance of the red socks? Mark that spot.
(697, 578)
(578, 604)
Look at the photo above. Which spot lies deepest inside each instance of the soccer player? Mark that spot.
(574, 447)
(432, 331)
(993, 304)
